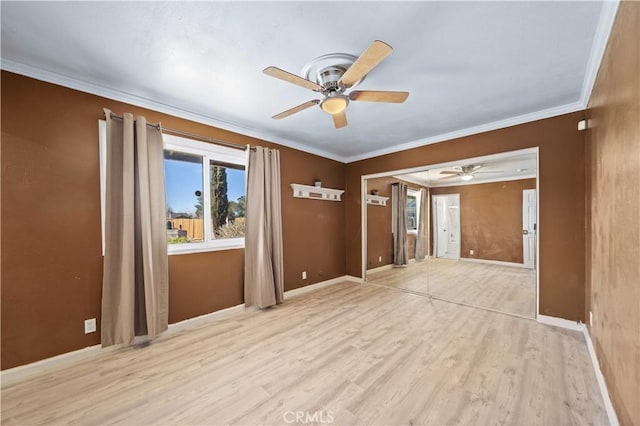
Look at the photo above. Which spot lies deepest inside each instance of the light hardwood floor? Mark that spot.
(358, 353)
(503, 288)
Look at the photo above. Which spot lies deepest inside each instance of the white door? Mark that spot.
(440, 225)
(446, 226)
(529, 227)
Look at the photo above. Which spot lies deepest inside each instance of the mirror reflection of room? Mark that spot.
(479, 233)
(390, 252)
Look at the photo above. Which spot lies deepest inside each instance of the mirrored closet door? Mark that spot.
(464, 232)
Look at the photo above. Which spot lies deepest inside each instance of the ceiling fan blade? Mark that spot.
(296, 109)
(378, 96)
(497, 171)
(449, 172)
(291, 78)
(375, 53)
(340, 119)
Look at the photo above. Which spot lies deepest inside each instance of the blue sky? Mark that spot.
(183, 179)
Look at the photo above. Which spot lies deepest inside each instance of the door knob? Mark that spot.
(525, 232)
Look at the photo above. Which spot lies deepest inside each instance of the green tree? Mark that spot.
(219, 200)
(237, 208)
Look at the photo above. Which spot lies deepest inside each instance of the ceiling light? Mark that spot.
(466, 177)
(334, 104)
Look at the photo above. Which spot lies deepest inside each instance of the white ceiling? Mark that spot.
(501, 168)
(470, 66)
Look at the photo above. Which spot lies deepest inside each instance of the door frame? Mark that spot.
(435, 234)
(363, 204)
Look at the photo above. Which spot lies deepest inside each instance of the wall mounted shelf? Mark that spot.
(377, 200)
(316, 192)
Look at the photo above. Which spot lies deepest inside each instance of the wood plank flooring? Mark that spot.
(503, 288)
(350, 353)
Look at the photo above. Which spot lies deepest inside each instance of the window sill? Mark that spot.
(230, 244)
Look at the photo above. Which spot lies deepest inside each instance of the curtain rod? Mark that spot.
(191, 135)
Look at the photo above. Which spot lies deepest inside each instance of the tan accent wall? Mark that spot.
(490, 219)
(379, 237)
(562, 204)
(52, 272)
(613, 212)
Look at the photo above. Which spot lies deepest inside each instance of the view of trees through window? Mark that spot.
(184, 176)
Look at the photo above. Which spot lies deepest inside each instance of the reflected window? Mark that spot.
(412, 213)
(413, 209)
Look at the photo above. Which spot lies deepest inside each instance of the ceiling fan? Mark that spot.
(467, 172)
(332, 80)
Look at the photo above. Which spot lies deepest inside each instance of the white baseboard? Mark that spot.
(602, 385)
(494, 262)
(313, 287)
(17, 374)
(608, 405)
(380, 268)
(560, 322)
(203, 319)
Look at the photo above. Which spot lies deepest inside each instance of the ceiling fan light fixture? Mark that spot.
(334, 104)
(466, 177)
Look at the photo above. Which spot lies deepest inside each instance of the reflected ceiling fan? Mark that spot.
(333, 75)
(467, 172)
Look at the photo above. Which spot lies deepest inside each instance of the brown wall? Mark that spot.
(52, 274)
(490, 219)
(613, 231)
(379, 237)
(561, 157)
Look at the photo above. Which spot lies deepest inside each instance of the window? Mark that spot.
(413, 213)
(205, 192)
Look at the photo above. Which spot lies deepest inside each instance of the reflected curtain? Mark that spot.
(420, 238)
(263, 264)
(399, 225)
(135, 276)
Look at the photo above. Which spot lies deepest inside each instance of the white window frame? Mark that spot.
(209, 152)
(418, 195)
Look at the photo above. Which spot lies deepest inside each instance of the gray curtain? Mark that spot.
(420, 243)
(399, 227)
(263, 264)
(135, 287)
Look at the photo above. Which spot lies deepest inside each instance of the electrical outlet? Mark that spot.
(304, 275)
(380, 259)
(90, 326)
(471, 252)
(591, 318)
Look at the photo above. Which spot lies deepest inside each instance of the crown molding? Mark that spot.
(139, 101)
(500, 124)
(600, 40)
